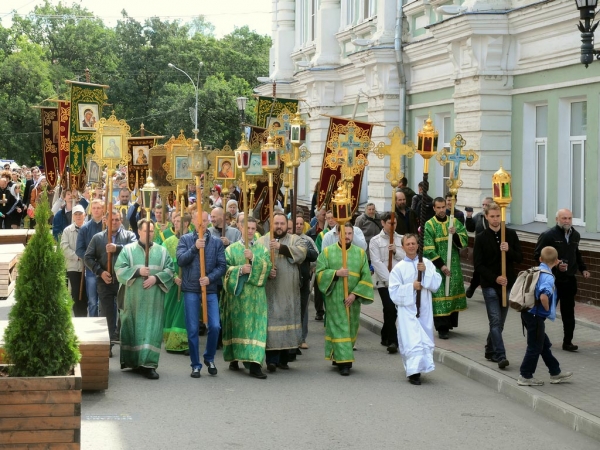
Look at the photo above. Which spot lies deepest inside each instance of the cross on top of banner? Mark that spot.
(395, 150)
(456, 156)
(346, 143)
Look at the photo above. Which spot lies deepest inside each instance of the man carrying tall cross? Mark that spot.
(435, 248)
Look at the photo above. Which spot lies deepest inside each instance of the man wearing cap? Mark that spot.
(68, 244)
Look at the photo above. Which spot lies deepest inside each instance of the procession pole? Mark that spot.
(242, 161)
(109, 221)
(450, 238)
(201, 232)
(270, 163)
(181, 208)
(502, 194)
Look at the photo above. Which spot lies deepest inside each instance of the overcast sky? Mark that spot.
(224, 14)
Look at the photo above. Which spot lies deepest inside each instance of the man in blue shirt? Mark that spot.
(534, 320)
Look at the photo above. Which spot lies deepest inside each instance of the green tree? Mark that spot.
(40, 339)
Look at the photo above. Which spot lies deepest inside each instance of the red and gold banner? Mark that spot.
(329, 178)
(50, 143)
(137, 167)
(64, 114)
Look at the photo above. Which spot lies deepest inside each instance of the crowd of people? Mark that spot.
(149, 278)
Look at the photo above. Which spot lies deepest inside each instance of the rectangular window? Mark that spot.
(541, 145)
(369, 7)
(301, 22)
(313, 19)
(577, 138)
(351, 12)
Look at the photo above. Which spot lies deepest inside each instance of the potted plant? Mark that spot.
(42, 380)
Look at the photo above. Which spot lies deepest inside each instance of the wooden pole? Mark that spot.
(391, 253)
(109, 205)
(202, 262)
(449, 253)
(271, 213)
(342, 236)
(503, 239)
(423, 214)
(147, 243)
(245, 206)
(181, 208)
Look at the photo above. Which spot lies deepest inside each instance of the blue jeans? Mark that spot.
(191, 310)
(92, 293)
(537, 344)
(496, 316)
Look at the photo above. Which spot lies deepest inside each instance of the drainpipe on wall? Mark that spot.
(402, 119)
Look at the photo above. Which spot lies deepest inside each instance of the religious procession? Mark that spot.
(174, 241)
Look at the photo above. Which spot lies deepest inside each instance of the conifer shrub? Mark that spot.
(40, 338)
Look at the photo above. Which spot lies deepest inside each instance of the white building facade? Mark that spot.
(505, 74)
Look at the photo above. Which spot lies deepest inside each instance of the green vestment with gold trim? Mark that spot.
(174, 331)
(244, 305)
(341, 327)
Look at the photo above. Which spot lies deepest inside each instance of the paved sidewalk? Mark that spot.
(573, 403)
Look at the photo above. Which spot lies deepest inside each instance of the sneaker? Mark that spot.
(503, 363)
(212, 369)
(563, 376)
(195, 373)
(522, 381)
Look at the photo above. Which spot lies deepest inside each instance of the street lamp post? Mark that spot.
(196, 86)
(587, 12)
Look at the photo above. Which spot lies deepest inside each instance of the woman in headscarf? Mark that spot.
(232, 207)
(15, 214)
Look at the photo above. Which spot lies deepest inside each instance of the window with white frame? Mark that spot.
(446, 137)
(369, 8)
(541, 163)
(351, 12)
(301, 15)
(577, 138)
(313, 19)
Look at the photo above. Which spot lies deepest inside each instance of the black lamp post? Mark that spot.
(587, 12)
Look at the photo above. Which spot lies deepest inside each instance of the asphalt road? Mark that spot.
(312, 407)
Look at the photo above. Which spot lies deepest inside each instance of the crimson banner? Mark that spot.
(50, 143)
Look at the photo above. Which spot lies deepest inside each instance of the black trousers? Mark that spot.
(566, 297)
(319, 306)
(80, 306)
(107, 298)
(388, 330)
(445, 323)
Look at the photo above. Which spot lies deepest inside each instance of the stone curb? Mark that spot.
(544, 404)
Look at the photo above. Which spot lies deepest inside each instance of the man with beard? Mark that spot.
(284, 331)
(565, 239)
(406, 218)
(123, 206)
(438, 235)
(343, 313)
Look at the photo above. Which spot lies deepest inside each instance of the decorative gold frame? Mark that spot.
(111, 129)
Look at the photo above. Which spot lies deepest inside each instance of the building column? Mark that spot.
(328, 24)
(283, 40)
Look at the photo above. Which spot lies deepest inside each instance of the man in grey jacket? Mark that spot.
(68, 244)
(231, 234)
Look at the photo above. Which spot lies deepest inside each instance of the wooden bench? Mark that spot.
(9, 256)
(94, 345)
(17, 236)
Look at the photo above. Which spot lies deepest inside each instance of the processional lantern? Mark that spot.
(501, 187)
(270, 156)
(427, 141)
(149, 195)
(342, 205)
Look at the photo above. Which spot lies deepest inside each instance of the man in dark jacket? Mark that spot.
(565, 239)
(96, 260)
(188, 258)
(477, 224)
(488, 262)
(406, 218)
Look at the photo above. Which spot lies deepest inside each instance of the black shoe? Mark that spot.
(344, 371)
(443, 334)
(151, 374)
(283, 366)
(470, 291)
(195, 373)
(415, 379)
(271, 367)
(503, 363)
(233, 365)
(212, 369)
(570, 347)
(333, 363)
(393, 348)
(385, 343)
(319, 317)
(298, 352)
(257, 373)
(489, 356)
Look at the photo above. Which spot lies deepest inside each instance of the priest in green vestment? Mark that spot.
(435, 248)
(142, 313)
(174, 331)
(244, 303)
(341, 326)
(164, 230)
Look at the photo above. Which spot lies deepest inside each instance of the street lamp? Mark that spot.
(241, 106)
(196, 85)
(587, 12)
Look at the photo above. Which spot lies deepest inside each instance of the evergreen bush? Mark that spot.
(40, 338)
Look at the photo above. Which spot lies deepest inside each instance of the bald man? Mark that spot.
(565, 239)
(231, 234)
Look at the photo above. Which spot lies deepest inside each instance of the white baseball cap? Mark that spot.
(78, 209)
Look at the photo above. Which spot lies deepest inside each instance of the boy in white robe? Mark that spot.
(415, 328)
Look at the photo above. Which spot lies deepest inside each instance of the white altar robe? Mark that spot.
(415, 335)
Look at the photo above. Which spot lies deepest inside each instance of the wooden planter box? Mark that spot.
(41, 412)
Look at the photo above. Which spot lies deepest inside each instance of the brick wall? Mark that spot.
(588, 290)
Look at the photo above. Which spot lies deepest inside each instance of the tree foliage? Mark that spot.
(58, 42)
(40, 339)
